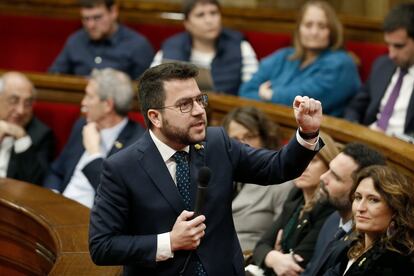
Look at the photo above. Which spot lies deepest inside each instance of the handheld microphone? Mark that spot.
(204, 176)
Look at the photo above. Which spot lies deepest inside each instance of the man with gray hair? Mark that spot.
(26, 144)
(104, 131)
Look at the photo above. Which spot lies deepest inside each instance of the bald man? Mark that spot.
(26, 144)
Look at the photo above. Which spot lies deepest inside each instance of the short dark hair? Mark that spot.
(188, 5)
(151, 93)
(93, 3)
(400, 17)
(363, 155)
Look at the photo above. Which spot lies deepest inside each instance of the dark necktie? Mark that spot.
(183, 184)
(389, 106)
(339, 233)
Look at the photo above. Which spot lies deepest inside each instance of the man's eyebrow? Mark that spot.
(336, 175)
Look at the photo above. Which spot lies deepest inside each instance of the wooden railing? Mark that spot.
(43, 233)
(400, 154)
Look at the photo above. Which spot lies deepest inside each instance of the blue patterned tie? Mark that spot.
(183, 184)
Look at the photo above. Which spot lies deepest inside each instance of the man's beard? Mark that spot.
(178, 135)
(340, 204)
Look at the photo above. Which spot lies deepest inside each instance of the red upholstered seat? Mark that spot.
(367, 52)
(60, 117)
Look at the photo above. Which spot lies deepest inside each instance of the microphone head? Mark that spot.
(204, 176)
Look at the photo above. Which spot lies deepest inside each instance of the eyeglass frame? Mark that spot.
(201, 100)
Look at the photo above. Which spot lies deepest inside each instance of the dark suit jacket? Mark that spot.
(62, 168)
(364, 107)
(304, 237)
(32, 164)
(375, 262)
(326, 252)
(137, 199)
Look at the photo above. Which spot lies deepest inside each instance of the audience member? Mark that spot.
(105, 131)
(383, 211)
(26, 144)
(336, 185)
(288, 244)
(206, 44)
(103, 43)
(386, 102)
(254, 207)
(315, 67)
(142, 216)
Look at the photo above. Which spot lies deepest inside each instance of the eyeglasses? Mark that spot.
(94, 18)
(186, 105)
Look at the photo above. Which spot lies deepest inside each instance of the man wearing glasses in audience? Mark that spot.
(102, 43)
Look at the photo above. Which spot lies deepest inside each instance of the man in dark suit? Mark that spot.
(336, 185)
(26, 144)
(142, 216)
(380, 104)
(106, 130)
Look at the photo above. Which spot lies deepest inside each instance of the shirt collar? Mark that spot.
(109, 135)
(166, 151)
(347, 226)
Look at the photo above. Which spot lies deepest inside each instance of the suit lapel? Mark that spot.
(151, 161)
(196, 162)
(122, 139)
(382, 84)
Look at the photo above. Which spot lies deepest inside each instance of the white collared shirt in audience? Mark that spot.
(79, 188)
(397, 119)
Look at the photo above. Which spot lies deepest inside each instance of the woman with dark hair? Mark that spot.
(254, 207)
(223, 52)
(383, 210)
(316, 66)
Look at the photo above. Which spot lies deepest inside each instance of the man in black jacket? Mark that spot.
(26, 144)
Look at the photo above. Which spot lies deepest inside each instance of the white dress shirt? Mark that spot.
(397, 120)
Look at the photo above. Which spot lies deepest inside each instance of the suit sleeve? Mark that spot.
(56, 174)
(109, 243)
(62, 62)
(92, 172)
(34, 162)
(355, 111)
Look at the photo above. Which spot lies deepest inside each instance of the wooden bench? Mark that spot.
(400, 154)
(43, 233)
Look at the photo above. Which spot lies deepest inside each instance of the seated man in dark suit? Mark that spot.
(26, 144)
(102, 43)
(386, 101)
(106, 130)
(142, 216)
(336, 185)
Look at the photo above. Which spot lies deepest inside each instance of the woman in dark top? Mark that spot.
(296, 230)
(383, 210)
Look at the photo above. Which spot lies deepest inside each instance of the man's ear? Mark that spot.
(109, 105)
(155, 117)
(114, 11)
